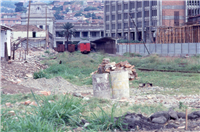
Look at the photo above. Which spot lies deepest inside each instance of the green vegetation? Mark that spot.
(90, 8)
(58, 17)
(20, 7)
(126, 41)
(76, 68)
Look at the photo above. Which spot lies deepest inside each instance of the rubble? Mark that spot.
(106, 67)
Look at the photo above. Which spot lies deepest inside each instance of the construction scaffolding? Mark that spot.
(179, 34)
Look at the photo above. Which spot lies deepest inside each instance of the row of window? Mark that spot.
(138, 24)
(193, 2)
(139, 15)
(9, 21)
(132, 5)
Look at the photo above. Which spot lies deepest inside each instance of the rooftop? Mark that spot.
(18, 27)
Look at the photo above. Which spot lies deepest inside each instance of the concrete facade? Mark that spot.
(5, 44)
(83, 31)
(147, 15)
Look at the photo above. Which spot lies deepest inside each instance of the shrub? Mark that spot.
(39, 74)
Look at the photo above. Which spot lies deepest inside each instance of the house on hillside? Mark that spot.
(5, 44)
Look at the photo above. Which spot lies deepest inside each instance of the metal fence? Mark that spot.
(175, 49)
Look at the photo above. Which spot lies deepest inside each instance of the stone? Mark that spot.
(159, 114)
(11, 112)
(194, 115)
(8, 104)
(33, 103)
(181, 115)
(159, 120)
(172, 114)
(29, 75)
(27, 102)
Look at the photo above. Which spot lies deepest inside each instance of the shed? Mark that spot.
(106, 44)
(5, 44)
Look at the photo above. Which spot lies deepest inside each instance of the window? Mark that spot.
(41, 26)
(154, 3)
(107, 18)
(131, 24)
(146, 23)
(176, 18)
(132, 4)
(139, 24)
(107, 27)
(119, 7)
(125, 15)
(113, 8)
(139, 14)
(146, 3)
(139, 4)
(113, 17)
(154, 12)
(154, 22)
(107, 8)
(34, 34)
(125, 25)
(113, 35)
(119, 26)
(132, 15)
(113, 26)
(146, 14)
(125, 6)
(119, 16)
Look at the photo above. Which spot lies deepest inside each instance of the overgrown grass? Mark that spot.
(76, 68)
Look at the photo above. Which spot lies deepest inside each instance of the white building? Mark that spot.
(40, 14)
(5, 42)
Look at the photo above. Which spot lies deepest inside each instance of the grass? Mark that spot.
(76, 68)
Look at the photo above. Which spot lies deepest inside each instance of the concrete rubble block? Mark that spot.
(159, 114)
(159, 120)
(12, 113)
(194, 115)
(106, 61)
(101, 86)
(173, 114)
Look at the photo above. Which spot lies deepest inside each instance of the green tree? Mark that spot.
(57, 16)
(90, 8)
(68, 31)
(19, 7)
(78, 14)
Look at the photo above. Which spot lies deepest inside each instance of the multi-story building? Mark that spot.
(10, 19)
(120, 16)
(83, 31)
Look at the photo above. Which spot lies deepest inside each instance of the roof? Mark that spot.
(84, 41)
(64, 21)
(18, 27)
(38, 3)
(101, 40)
(3, 27)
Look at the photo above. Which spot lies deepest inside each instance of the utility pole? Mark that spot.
(28, 27)
(46, 29)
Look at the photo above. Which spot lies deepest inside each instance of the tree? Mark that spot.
(90, 8)
(78, 14)
(68, 31)
(19, 7)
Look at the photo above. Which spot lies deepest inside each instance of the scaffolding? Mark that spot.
(178, 34)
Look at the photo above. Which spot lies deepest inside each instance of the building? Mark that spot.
(10, 19)
(40, 15)
(5, 44)
(83, 31)
(120, 16)
(37, 36)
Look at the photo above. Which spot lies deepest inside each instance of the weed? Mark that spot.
(39, 74)
(47, 51)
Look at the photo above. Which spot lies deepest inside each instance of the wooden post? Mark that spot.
(46, 30)
(186, 119)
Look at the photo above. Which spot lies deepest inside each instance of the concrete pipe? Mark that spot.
(101, 86)
(120, 84)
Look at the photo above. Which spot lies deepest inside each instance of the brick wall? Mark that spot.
(169, 7)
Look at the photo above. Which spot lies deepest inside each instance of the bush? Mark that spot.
(39, 74)
(127, 54)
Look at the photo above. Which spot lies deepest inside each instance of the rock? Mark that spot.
(86, 98)
(45, 93)
(159, 114)
(29, 75)
(11, 112)
(8, 104)
(77, 95)
(181, 115)
(172, 114)
(159, 120)
(27, 102)
(86, 124)
(33, 103)
(194, 115)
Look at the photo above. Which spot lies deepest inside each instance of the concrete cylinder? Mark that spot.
(101, 86)
(120, 84)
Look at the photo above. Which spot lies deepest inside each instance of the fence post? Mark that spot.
(181, 49)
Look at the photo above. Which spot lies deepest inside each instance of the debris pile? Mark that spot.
(106, 67)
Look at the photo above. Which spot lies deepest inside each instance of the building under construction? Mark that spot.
(147, 15)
